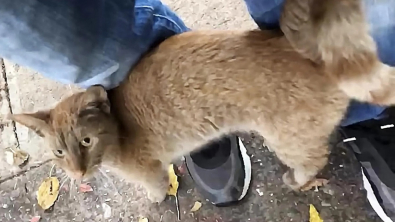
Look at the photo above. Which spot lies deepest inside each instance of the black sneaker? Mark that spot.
(221, 171)
(373, 142)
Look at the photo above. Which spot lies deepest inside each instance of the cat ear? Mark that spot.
(95, 97)
(38, 121)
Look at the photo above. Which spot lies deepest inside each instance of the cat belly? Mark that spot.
(280, 127)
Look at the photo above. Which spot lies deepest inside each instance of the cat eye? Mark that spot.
(86, 142)
(58, 153)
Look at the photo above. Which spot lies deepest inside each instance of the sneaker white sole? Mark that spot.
(247, 168)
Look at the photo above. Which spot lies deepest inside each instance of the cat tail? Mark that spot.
(335, 35)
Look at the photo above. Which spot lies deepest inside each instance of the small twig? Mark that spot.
(109, 181)
(178, 208)
(11, 149)
(22, 172)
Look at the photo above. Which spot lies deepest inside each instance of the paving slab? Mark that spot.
(268, 200)
(209, 14)
(29, 92)
(7, 131)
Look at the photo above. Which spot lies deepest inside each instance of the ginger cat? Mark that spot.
(199, 85)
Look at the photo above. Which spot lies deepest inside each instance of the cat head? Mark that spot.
(78, 130)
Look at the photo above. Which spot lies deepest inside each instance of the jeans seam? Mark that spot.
(169, 20)
(145, 6)
(160, 17)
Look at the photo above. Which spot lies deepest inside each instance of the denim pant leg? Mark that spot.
(84, 42)
(381, 17)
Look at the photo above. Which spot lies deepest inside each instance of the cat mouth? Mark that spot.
(90, 173)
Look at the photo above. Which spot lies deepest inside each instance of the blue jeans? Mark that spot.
(87, 42)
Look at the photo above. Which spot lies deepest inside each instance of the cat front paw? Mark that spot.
(289, 180)
(157, 196)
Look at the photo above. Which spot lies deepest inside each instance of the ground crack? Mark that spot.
(7, 92)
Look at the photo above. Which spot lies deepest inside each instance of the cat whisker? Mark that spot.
(72, 184)
(65, 179)
(109, 180)
(99, 178)
(52, 168)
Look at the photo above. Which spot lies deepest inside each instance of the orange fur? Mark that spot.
(335, 35)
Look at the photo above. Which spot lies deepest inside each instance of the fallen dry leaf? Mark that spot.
(16, 157)
(35, 219)
(85, 188)
(48, 192)
(196, 206)
(143, 219)
(173, 181)
(173, 188)
(315, 184)
(314, 215)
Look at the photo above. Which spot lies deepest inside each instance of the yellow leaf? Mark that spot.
(196, 206)
(48, 192)
(143, 219)
(314, 215)
(173, 181)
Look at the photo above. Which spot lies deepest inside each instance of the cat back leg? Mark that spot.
(304, 156)
(304, 164)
